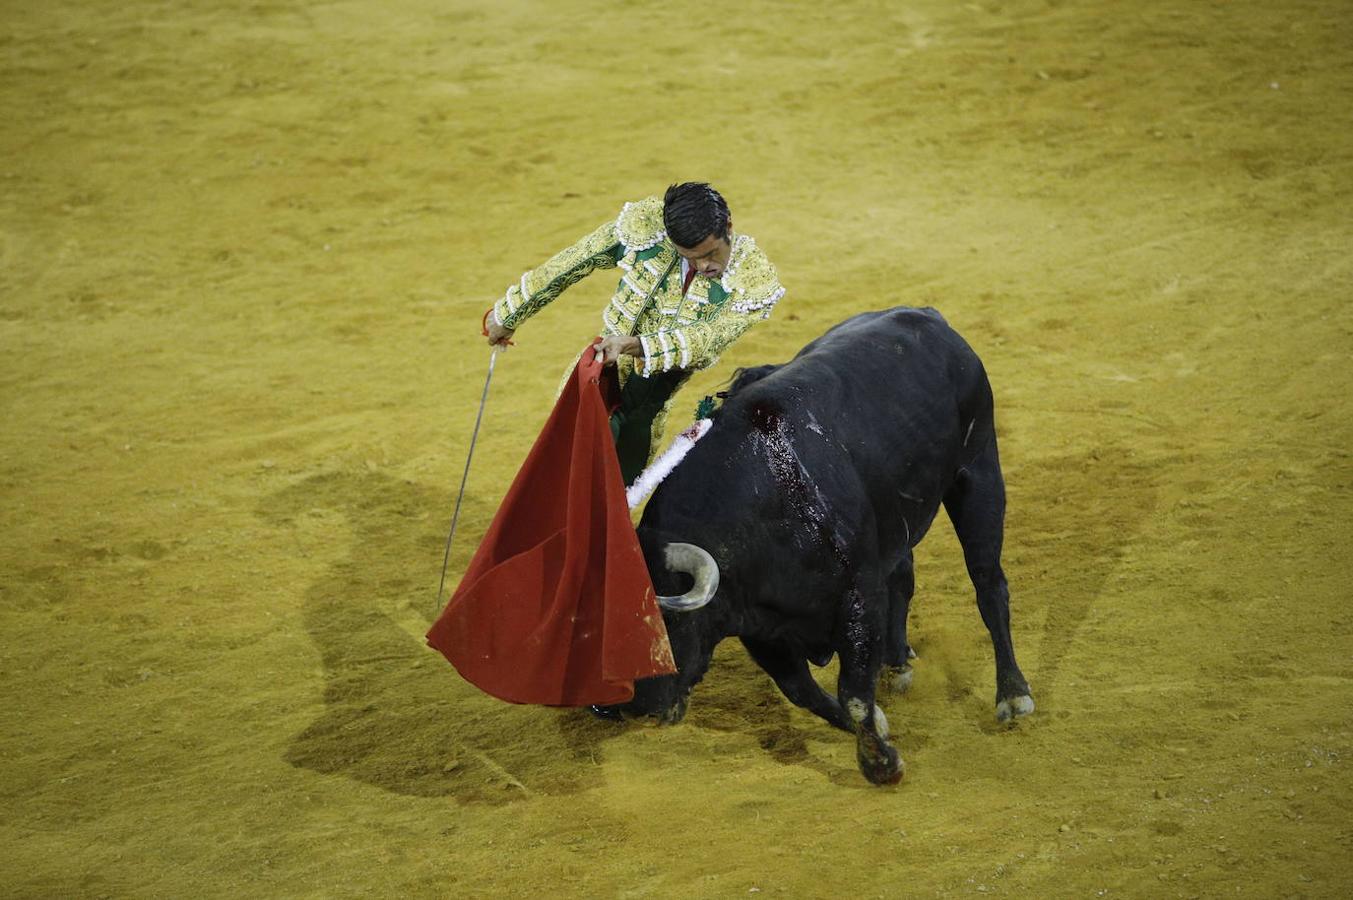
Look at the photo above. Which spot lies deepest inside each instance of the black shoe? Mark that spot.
(609, 713)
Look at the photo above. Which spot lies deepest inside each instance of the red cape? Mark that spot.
(557, 606)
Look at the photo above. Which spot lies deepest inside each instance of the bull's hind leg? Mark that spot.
(976, 506)
(861, 655)
(796, 682)
(897, 653)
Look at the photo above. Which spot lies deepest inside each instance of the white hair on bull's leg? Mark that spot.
(897, 678)
(880, 722)
(857, 709)
(1013, 707)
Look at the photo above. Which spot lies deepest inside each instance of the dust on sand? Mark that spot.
(244, 249)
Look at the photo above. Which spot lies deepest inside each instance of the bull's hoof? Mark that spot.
(1014, 707)
(675, 713)
(896, 678)
(879, 762)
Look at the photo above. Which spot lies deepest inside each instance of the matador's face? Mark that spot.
(710, 256)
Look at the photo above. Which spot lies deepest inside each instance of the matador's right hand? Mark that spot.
(498, 335)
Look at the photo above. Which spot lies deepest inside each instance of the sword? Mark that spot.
(446, 557)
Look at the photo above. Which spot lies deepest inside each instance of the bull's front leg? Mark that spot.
(861, 654)
(791, 675)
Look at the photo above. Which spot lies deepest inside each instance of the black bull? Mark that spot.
(817, 479)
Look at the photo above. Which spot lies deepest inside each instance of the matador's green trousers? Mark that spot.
(632, 423)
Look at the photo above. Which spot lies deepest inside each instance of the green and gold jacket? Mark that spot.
(687, 333)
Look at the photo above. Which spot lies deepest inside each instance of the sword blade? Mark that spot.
(465, 476)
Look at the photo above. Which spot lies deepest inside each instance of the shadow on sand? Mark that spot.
(396, 714)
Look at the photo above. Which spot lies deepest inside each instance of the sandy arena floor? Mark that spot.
(244, 249)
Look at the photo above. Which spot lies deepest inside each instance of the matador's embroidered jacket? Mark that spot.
(687, 332)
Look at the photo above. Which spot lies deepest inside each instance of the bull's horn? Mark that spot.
(699, 565)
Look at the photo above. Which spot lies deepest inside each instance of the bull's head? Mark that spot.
(691, 628)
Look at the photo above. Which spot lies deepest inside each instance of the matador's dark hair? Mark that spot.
(692, 212)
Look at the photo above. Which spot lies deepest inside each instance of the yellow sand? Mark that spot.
(244, 249)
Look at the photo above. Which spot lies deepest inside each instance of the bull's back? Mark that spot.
(907, 341)
(901, 374)
(885, 408)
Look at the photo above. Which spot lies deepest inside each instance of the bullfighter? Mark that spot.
(690, 286)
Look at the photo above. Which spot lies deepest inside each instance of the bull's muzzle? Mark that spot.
(668, 715)
(697, 563)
